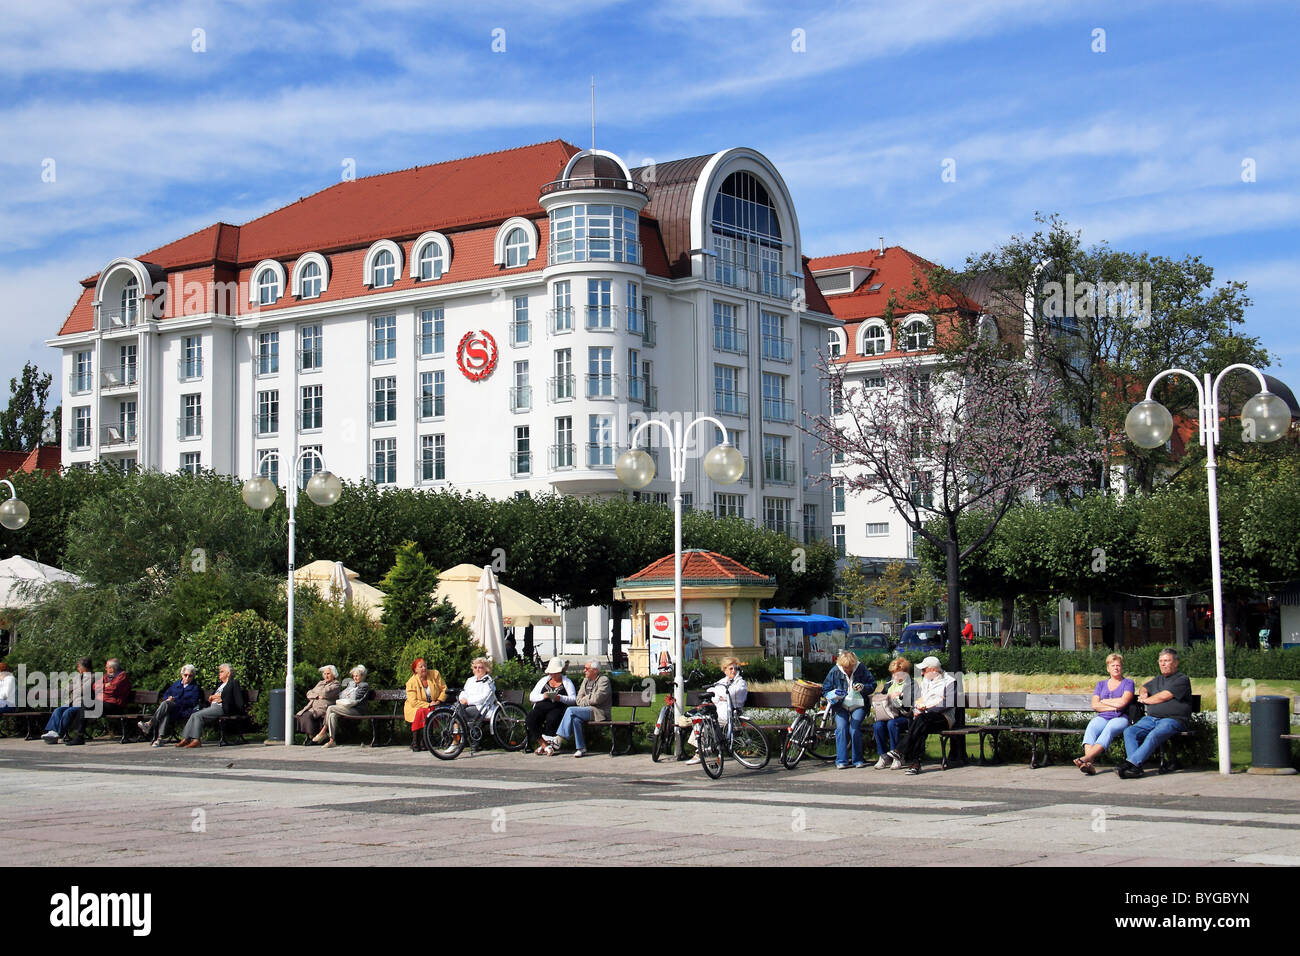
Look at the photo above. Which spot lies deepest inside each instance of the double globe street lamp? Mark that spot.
(1264, 418)
(636, 469)
(259, 493)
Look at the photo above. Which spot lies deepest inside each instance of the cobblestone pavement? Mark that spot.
(109, 804)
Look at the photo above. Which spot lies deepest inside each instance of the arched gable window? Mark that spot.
(383, 264)
(835, 344)
(267, 284)
(747, 235)
(516, 243)
(130, 301)
(874, 339)
(917, 334)
(311, 275)
(431, 256)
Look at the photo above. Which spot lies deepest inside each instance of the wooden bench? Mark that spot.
(1075, 703)
(978, 701)
(34, 720)
(398, 698)
(139, 706)
(1295, 709)
(622, 698)
(237, 724)
(770, 700)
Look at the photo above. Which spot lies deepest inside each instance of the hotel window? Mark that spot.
(600, 304)
(191, 416)
(837, 539)
(190, 463)
(647, 320)
(384, 341)
(82, 378)
(874, 381)
(433, 395)
(837, 497)
(916, 335)
(562, 307)
(837, 395)
(130, 301)
(635, 383)
(775, 345)
(562, 385)
(383, 410)
(776, 407)
(309, 281)
(81, 428)
(126, 363)
(600, 372)
(384, 271)
(728, 506)
(310, 464)
(583, 233)
(834, 349)
(873, 340)
(309, 348)
(268, 287)
(562, 455)
(521, 394)
(727, 398)
(922, 490)
(430, 261)
(519, 328)
(635, 323)
(383, 469)
(432, 332)
(313, 408)
(521, 460)
(516, 248)
(809, 524)
(728, 332)
(878, 530)
(268, 465)
(192, 357)
(776, 469)
(268, 353)
(600, 441)
(776, 514)
(747, 235)
(126, 420)
(433, 457)
(268, 412)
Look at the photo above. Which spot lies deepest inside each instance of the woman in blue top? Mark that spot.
(179, 701)
(848, 686)
(1109, 699)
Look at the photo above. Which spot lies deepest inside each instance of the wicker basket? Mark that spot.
(805, 694)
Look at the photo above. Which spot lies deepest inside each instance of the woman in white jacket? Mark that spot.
(479, 695)
(728, 694)
(8, 689)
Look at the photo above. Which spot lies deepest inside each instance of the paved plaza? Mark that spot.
(109, 804)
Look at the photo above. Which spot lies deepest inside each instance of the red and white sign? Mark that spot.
(661, 626)
(477, 355)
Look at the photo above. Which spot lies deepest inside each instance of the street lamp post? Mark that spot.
(723, 464)
(259, 493)
(1265, 418)
(13, 513)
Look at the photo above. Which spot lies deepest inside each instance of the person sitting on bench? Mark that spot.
(936, 704)
(179, 701)
(311, 718)
(352, 701)
(1168, 702)
(1109, 699)
(479, 695)
(594, 699)
(227, 701)
(80, 695)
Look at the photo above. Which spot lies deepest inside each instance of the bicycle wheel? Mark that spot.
(509, 728)
(796, 741)
(748, 745)
(665, 730)
(444, 734)
(822, 744)
(709, 748)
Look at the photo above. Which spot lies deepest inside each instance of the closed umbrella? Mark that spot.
(340, 586)
(489, 627)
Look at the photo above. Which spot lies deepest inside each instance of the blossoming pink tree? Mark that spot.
(969, 428)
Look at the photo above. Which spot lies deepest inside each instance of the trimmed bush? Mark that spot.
(255, 648)
(449, 654)
(1194, 661)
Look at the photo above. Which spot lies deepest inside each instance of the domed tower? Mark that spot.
(597, 329)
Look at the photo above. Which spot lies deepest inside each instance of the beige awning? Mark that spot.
(459, 585)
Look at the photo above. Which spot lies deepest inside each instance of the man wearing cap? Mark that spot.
(936, 702)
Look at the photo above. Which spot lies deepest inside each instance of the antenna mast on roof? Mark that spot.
(593, 113)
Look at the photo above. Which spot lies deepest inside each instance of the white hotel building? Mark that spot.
(497, 324)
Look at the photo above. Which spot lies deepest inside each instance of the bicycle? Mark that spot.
(665, 730)
(742, 740)
(812, 734)
(449, 728)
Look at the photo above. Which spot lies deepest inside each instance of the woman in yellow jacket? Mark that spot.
(424, 691)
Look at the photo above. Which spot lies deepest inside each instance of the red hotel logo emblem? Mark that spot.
(477, 355)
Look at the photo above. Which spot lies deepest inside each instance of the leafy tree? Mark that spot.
(852, 589)
(255, 648)
(22, 422)
(892, 591)
(408, 593)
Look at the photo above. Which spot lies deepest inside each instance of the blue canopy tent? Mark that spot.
(808, 623)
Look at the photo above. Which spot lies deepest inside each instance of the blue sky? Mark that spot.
(1141, 145)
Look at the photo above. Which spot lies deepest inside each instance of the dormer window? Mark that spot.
(916, 335)
(268, 287)
(430, 261)
(385, 270)
(310, 280)
(873, 340)
(516, 248)
(430, 257)
(130, 301)
(311, 276)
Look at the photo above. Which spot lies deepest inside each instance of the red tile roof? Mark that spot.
(46, 458)
(897, 270)
(698, 566)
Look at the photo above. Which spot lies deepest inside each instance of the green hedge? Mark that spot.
(1195, 661)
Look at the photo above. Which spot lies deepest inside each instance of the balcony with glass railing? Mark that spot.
(563, 457)
(79, 437)
(521, 398)
(602, 386)
(731, 403)
(600, 455)
(635, 321)
(783, 526)
(266, 424)
(652, 398)
(189, 370)
(383, 413)
(309, 360)
(636, 388)
(777, 349)
(119, 433)
(650, 335)
(734, 272)
(779, 471)
(520, 333)
(429, 407)
(189, 426)
(778, 409)
(521, 463)
(79, 383)
(600, 318)
(559, 321)
(121, 320)
(729, 338)
(561, 388)
(118, 378)
(311, 421)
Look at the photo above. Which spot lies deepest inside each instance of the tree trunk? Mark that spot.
(617, 610)
(1008, 616)
(957, 746)
(1035, 626)
(528, 643)
(1146, 620)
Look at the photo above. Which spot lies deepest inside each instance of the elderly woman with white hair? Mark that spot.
(351, 702)
(934, 707)
(312, 717)
(479, 695)
(178, 702)
(228, 700)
